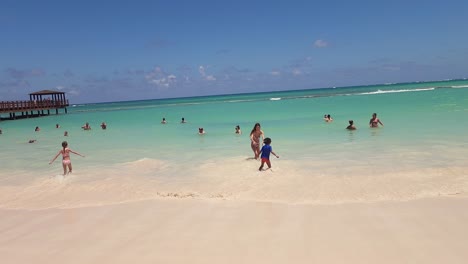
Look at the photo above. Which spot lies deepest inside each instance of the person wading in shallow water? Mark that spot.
(351, 125)
(266, 150)
(374, 121)
(255, 136)
(66, 162)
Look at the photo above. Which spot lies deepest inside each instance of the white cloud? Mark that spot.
(210, 78)
(202, 72)
(296, 72)
(320, 43)
(275, 73)
(159, 78)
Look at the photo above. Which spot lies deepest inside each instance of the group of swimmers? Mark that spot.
(88, 127)
(255, 135)
(201, 130)
(182, 121)
(264, 152)
(373, 122)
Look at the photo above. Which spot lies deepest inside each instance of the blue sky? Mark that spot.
(128, 50)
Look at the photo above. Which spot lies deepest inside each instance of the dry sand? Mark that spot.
(176, 230)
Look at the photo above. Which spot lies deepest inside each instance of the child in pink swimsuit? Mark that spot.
(66, 162)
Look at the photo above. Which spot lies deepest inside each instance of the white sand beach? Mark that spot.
(174, 230)
(393, 190)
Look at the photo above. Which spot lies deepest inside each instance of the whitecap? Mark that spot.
(398, 91)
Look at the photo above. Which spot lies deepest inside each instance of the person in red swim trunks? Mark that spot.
(266, 150)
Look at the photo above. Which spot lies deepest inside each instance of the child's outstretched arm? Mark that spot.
(74, 152)
(274, 154)
(54, 158)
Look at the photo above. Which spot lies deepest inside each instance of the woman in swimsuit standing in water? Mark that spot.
(255, 139)
(374, 121)
(65, 157)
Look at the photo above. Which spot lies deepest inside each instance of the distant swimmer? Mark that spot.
(103, 125)
(66, 162)
(183, 121)
(201, 131)
(1, 132)
(374, 121)
(37, 129)
(164, 121)
(32, 141)
(266, 150)
(238, 130)
(351, 125)
(57, 126)
(65, 134)
(86, 126)
(328, 118)
(255, 136)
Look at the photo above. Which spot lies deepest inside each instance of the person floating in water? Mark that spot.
(57, 126)
(266, 150)
(37, 129)
(183, 121)
(66, 162)
(255, 135)
(201, 131)
(238, 130)
(351, 125)
(327, 118)
(164, 121)
(65, 134)
(103, 125)
(374, 121)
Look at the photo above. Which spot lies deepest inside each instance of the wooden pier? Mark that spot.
(39, 104)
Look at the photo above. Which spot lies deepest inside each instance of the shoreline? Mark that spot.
(429, 230)
(288, 184)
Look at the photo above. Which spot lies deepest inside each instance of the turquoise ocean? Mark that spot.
(421, 151)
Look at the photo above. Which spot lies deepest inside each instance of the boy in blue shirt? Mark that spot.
(266, 150)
